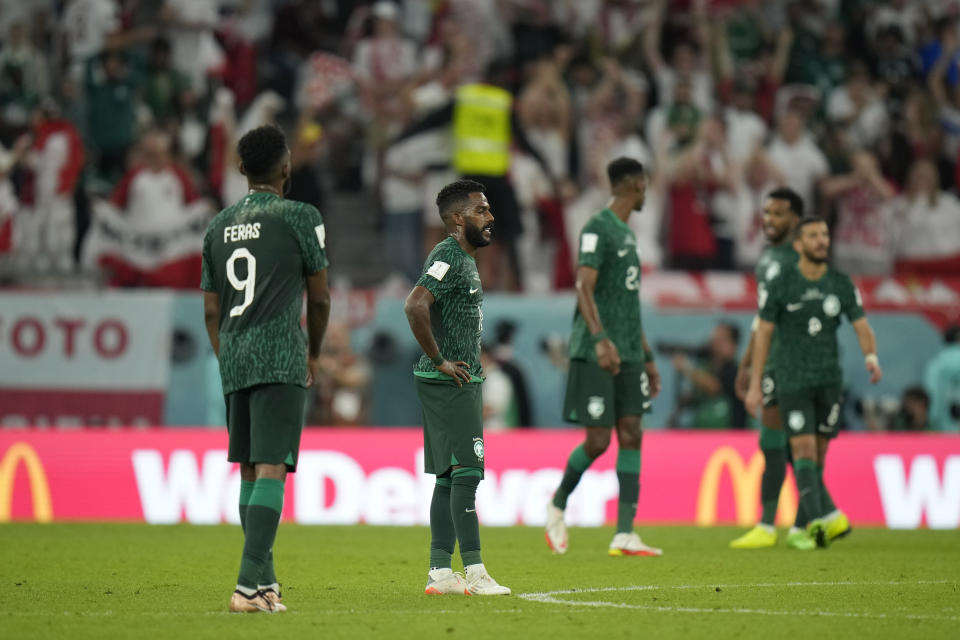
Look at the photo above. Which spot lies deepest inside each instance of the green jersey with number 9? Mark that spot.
(807, 314)
(608, 245)
(256, 255)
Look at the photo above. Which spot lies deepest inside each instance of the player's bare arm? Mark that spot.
(868, 345)
(417, 308)
(650, 366)
(742, 383)
(211, 317)
(318, 314)
(763, 336)
(607, 355)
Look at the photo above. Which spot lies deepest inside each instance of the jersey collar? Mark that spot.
(610, 214)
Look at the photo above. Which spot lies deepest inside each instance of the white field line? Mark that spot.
(550, 597)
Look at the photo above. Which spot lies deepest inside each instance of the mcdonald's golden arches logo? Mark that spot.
(36, 474)
(745, 480)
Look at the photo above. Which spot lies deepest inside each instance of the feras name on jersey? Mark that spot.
(239, 232)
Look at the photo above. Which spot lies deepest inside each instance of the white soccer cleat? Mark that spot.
(556, 530)
(446, 582)
(630, 544)
(481, 584)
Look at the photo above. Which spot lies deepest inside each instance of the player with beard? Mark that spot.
(612, 374)
(445, 315)
(804, 305)
(781, 211)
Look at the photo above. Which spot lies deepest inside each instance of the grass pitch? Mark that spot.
(117, 581)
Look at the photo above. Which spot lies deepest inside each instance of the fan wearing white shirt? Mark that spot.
(796, 155)
(927, 220)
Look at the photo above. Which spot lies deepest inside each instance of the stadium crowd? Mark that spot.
(125, 111)
(119, 118)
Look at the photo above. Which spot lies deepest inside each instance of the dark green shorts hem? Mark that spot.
(596, 398)
(452, 425)
(265, 422)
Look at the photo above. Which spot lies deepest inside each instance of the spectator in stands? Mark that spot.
(857, 109)
(50, 227)
(690, 57)
(91, 27)
(863, 237)
(927, 222)
(941, 380)
(914, 412)
(796, 155)
(947, 95)
(156, 190)
(712, 397)
(163, 86)
(499, 401)
(23, 70)
(111, 90)
(384, 64)
(341, 391)
(694, 177)
(195, 50)
(9, 204)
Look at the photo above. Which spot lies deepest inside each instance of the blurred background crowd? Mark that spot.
(119, 118)
(130, 108)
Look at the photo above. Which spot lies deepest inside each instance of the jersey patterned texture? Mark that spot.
(775, 260)
(456, 316)
(807, 314)
(608, 245)
(256, 255)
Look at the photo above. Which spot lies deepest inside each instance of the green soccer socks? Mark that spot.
(628, 473)
(577, 463)
(463, 507)
(269, 575)
(443, 537)
(774, 472)
(808, 488)
(826, 501)
(260, 529)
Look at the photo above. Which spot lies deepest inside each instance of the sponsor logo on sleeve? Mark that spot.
(321, 232)
(588, 243)
(438, 269)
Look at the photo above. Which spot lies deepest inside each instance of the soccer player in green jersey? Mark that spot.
(445, 315)
(804, 305)
(258, 256)
(612, 375)
(781, 212)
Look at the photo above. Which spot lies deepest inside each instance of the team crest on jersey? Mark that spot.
(478, 448)
(796, 420)
(596, 406)
(831, 305)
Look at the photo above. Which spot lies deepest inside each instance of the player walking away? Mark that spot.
(782, 210)
(612, 374)
(445, 315)
(804, 305)
(257, 257)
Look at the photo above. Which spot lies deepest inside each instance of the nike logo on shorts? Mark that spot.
(470, 510)
(795, 307)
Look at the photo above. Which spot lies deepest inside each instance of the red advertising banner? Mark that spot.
(373, 476)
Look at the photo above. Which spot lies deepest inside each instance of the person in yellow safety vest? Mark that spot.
(484, 127)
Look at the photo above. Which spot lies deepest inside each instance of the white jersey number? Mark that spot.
(246, 285)
(633, 276)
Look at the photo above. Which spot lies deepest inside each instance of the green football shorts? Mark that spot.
(265, 422)
(597, 398)
(814, 410)
(452, 425)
